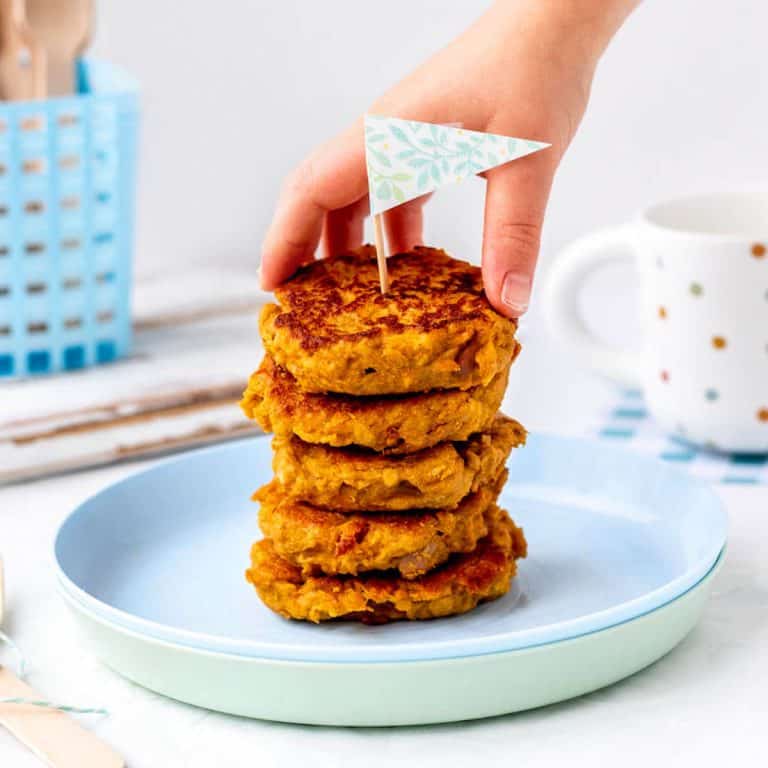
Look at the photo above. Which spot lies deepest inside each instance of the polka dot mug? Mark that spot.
(702, 264)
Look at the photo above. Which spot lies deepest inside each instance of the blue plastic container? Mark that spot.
(67, 189)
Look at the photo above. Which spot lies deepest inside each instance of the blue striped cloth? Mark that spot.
(628, 423)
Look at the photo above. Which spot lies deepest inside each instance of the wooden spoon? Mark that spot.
(21, 77)
(63, 29)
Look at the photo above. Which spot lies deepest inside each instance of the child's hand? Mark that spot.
(523, 69)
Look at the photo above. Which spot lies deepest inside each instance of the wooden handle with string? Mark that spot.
(48, 731)
(51, 735)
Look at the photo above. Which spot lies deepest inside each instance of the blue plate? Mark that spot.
(611, 537)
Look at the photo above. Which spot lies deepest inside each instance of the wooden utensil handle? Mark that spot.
(52, 735)
(60, 67)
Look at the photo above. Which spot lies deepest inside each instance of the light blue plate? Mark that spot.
(611, 537)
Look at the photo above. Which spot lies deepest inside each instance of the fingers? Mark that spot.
(404, 225)
(344, 228)
(332, 177)
(326, 196)
(515, 200)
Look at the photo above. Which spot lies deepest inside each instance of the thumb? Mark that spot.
(515, 201)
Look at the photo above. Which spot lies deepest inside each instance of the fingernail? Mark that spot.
(259, 278)
(516, 292)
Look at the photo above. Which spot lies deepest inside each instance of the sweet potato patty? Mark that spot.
(455, 587)
(320, 541)
(395, 424)
(350, 479)
(335, 331)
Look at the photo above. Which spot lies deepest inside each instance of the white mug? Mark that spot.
(703, 278)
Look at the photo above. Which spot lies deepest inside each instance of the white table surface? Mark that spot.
(704, 704)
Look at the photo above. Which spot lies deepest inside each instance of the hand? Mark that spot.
(523, 69)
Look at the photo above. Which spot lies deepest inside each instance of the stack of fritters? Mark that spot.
(389, 450)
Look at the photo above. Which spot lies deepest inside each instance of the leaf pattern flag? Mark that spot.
(407, 159)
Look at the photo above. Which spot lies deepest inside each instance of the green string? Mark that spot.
(57, 707)
(21, 670)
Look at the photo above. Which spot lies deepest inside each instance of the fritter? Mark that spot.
(335, 332)
(396, 424)
(455, 587)
(320, 541)
(349, 479)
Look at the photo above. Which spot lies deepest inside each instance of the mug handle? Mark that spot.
(561, 302)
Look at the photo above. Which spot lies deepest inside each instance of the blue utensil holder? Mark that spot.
(67, 188)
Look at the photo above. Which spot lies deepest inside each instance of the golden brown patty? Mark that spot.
(335, 331)
(455, 587)
(349, 479)
(320, 541)
(394, 424)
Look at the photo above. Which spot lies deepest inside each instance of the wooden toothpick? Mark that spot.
(381, 252)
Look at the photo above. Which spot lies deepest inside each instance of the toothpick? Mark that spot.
(381, 252)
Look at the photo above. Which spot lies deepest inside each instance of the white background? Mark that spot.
(234, 94)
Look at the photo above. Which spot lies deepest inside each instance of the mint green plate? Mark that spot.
(390, 692)
(611, 536)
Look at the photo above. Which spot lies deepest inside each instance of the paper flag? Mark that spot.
(407, 159)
